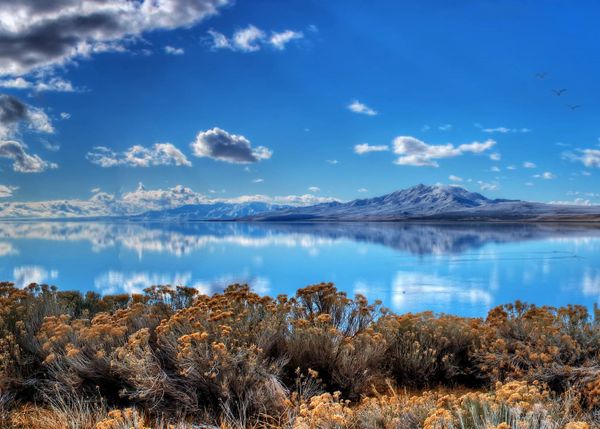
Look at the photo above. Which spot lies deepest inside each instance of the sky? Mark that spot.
(295, 101)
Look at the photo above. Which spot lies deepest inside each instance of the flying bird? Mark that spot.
(541, 75)
(573, 106)
(559, 92)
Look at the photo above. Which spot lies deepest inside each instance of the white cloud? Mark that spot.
(139, 156)
(54, 84)
(22, 161)
(502, 130)
(171, 50)
(247, 39)
(495, 156)
(547, 175)
(528, 164)
(484, 186)
(366, 148)
(588, 157)
(362, 190)
(333, 161)
(417, 153)
(14, 113)
(575, 202)
(279, 40)
(218, 144)
(292, 200)
(252, 39)
(529, 184)
(65, 115)
(75, 29)
(314, 189)
(454, 178)
(495, 169)
(358, 107)
(52, 147)
(7, 191)
(511, 167)
(259, 180)
(445, 127)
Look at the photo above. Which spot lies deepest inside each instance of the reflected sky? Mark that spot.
(451, 268)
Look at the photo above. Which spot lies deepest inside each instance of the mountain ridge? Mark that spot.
(423, 202)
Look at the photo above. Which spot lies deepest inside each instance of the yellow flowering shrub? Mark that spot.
(236, 359)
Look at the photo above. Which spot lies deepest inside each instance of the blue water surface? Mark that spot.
(452, 268)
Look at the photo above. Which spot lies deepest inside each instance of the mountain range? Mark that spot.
(421, 202)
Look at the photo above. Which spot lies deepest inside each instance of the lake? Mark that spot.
(453, 268)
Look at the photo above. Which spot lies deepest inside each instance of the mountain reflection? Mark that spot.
(183, 239)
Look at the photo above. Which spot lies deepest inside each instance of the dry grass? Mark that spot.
(173, 359)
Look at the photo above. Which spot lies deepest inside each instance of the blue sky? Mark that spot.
(441, 92)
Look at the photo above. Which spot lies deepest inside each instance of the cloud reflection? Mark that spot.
(417, 291)
(27, 274)
(184, 239)
(112, 282)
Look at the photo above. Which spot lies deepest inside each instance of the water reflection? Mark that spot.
(456, 268)
(183, 239)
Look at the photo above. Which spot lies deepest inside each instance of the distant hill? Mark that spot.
(423, 202)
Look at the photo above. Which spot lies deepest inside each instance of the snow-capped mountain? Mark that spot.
(214, 211)
(432, 203)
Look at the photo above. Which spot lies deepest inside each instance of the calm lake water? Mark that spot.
(457, 269)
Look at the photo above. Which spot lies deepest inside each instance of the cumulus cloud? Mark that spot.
(252, 39)
(22, 161)
(588, 157)
(362, 190)
(220, 145)
(358, 107)
(39, 34)
(171, 50)
(7, 191)
(528, 164)
(314, 189)
(417, 153)
(139, 156)
(495, 156)
(366, 148)
(14, 113)
(454, 178)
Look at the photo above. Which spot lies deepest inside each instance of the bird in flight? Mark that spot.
(573, 106)
(541, 75)
(559, 92)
